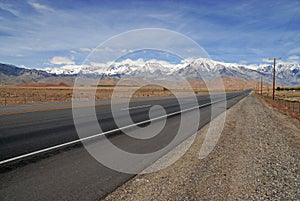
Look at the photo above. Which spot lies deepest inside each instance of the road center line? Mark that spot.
(108, 132)
(136, 107)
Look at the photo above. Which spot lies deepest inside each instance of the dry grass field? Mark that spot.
(286, 100)
(27, 95)
(30, 93)
(288, 107)
(23, 95)
(290, 95)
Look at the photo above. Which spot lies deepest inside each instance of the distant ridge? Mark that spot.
(196, 69)
(13, 75)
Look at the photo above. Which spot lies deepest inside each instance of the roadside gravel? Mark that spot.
(256, 158)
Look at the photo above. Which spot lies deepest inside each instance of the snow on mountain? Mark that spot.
(200, 68)
(67, 69)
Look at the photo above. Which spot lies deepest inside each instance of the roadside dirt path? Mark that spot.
(256, 158)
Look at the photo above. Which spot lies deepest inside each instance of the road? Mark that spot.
(71, 173)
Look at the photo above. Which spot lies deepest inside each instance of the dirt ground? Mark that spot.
(292, 95)
(10, 95)
(24, 95)
(257, 158)
(286, 107)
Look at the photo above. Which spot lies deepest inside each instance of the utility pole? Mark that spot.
(274, 75)
(261, 85)
(257, 88)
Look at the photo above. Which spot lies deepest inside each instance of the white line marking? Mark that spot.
(104, 133)
(136, 107)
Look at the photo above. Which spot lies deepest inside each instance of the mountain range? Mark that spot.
(13, 75)
(198, 69)
(201, 68)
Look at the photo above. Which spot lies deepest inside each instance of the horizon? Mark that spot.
(51, 34)
(142, 61)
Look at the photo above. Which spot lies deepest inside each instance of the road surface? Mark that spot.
(71, 173)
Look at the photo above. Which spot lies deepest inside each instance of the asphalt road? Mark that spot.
(71, 173)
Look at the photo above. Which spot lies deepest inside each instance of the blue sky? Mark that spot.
(40, 33)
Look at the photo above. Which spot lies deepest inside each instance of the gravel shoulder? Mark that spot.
(256, 158)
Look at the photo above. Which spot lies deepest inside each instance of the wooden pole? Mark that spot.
(274, 59)
(261, 85)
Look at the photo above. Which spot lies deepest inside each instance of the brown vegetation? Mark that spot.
(37, 92)
(291, 94)
(24, 95)
(287, 99)
(43, 84)
(287, 107)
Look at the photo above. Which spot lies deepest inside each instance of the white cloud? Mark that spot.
(293, 59)
(294, 51)
(85, 49)
(243, 62)
(73, 51)
(105, 49)
(40, 7)
(267, 60)
(61, 60)
(124, 51)
(9, 8)
(101, 65)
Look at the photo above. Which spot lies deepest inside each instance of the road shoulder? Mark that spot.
(256, 158)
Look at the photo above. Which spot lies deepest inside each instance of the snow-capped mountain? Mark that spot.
(201, 68)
